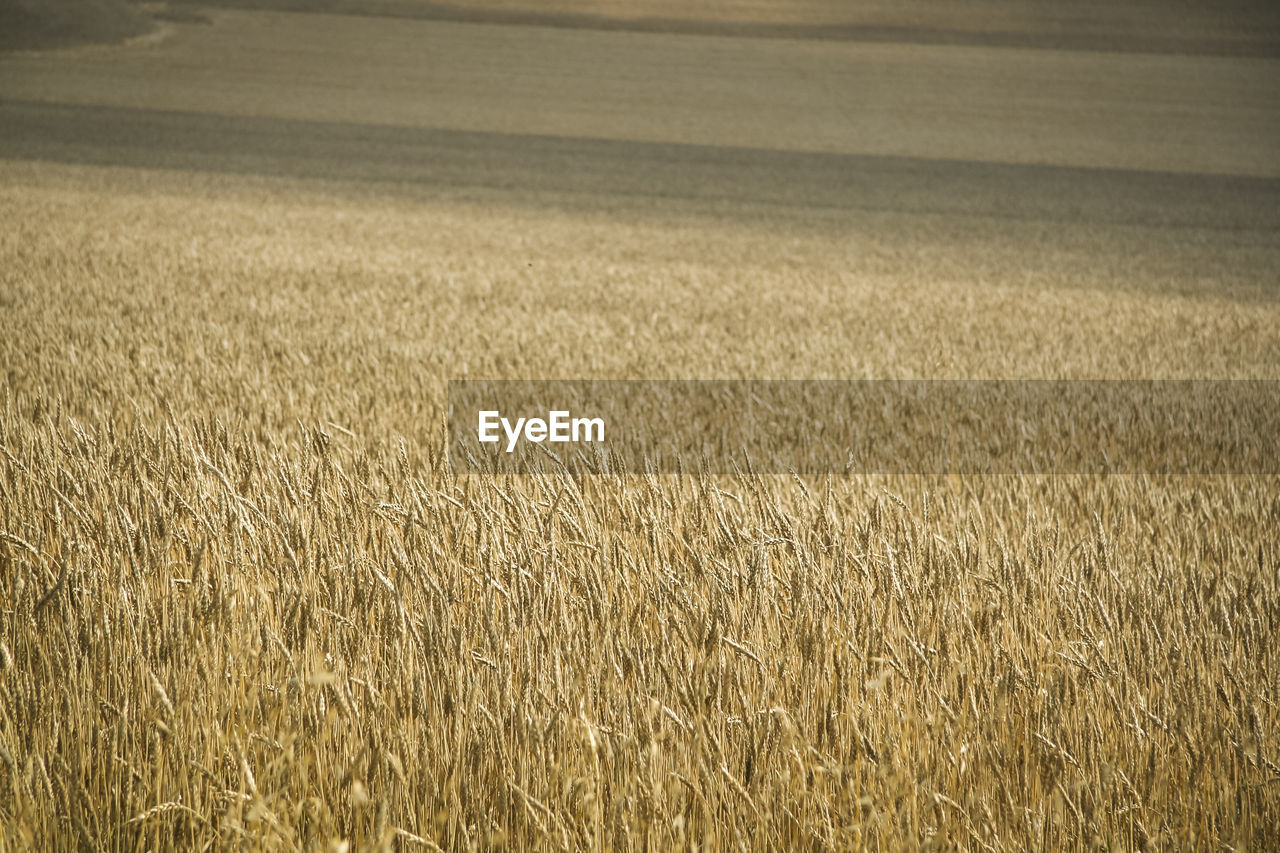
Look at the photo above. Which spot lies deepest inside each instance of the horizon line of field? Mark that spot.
(1260, 41)
(392, 155)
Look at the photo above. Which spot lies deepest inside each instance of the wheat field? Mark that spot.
(245, 604)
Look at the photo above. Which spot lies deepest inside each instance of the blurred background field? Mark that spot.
(1238, 27)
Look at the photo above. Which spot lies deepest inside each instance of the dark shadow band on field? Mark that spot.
(65, 23)
(629, 173)
(1262, 39)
